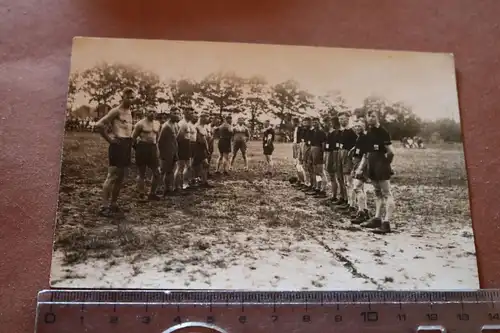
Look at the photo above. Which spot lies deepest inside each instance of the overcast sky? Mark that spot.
(425, 81)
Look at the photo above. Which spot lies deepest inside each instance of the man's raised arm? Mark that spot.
(101, 125)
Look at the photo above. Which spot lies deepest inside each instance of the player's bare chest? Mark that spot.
(124, 119)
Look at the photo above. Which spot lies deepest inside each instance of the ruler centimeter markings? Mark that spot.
(98, 311)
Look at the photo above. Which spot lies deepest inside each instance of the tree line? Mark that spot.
(222, 93)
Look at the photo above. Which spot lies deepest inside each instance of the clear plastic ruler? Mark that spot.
(141, 311)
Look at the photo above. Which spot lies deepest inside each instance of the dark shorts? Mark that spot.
(307, 155)
(211, 146)
(200, 153)
(302, 148)
(296, 151)
(184, 153)
(356, 161)
(378, 167)
(239, 145)
(317, 156)
(192, 148)
(120, 153)
(268, 150)
(146, 155)
(344, 162)
(331, 162)
(224, 146)
(167, 163)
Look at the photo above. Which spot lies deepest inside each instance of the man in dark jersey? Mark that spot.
(145, 137)
(359, 180)
(347, 140)
(306, 157)
(268, 146)
(297, 138)
(378, 158)
(304, 131)
(317, 140)
(168, 148)
(225, 134)
(119, 151)
(331, 157)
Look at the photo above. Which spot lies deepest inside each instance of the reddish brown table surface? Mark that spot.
(35, 45)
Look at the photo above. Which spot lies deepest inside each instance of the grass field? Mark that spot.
(255, 232)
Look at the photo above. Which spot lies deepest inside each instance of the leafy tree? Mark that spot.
(374, 103)
(72, 90)
(256, 99)
(331, 104)
(359, 112)
(377, 104)
(400, 121)
(182, 93)
(288, 100)
(104, 83)
(447, 129)
(223, 92)
(398, 118)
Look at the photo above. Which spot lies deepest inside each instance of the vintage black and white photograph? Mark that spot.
(207, 165)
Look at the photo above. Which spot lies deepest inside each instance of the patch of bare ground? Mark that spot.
(247, 216)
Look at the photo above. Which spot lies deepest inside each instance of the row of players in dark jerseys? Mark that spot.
(347, 158)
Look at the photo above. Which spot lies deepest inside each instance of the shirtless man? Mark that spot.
(201, 152)
(241, 135)
(144, 138)
(225, 133)
(184, 150)
(119, 151)
(168, 147)
(211, 127)
(193, 179)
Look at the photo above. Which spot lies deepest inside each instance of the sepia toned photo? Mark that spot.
(208, 165)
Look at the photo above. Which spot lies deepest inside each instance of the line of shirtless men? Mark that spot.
(179, 152)
(346, 157)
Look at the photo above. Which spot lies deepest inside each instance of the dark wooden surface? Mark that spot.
(35, 45)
